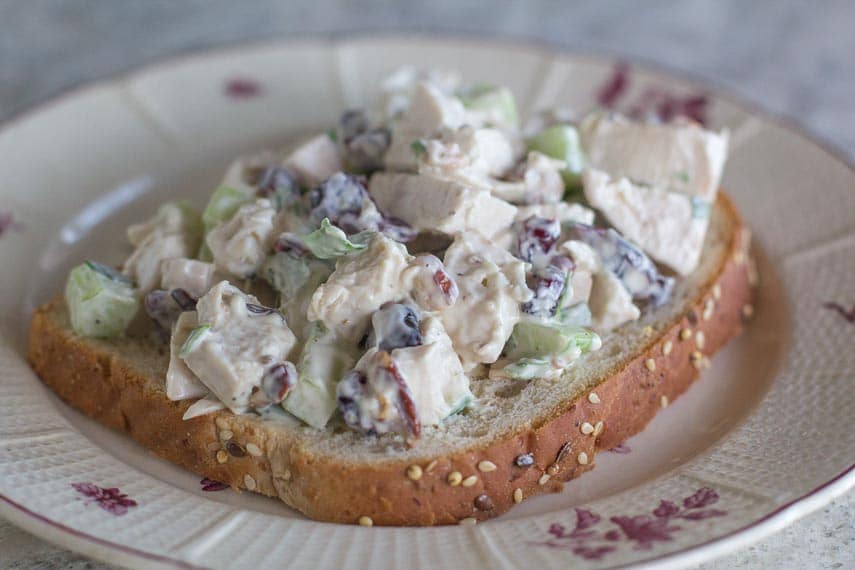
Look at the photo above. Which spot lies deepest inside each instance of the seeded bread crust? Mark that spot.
(464, 486)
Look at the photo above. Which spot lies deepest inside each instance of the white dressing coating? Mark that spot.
(680, 156)
(241, 244)
(611, 304)
(231, 357)
(664, 224)
(192, 275)
(429, 112)
(314, 160)
(181, 383)
(492, 285)
(358, 286)
(436, 204)
(469, 176)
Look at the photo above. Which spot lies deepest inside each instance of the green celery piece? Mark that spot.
(528, 368)
(101, 301)
(484, 97)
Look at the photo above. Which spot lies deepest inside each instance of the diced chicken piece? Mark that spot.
(195, 277)
(540, 181)
(401, 156)
(432, 372)
(478, 152)
(430, 203)
(241, 244)
(492, 285)
(171, 233)
(397, 89)
(144, 265)
(181, 383)
(543, 181)
(679, 156)
(587, 264)
(430, 112)
(241, 344)
(611, 304)
(358, 286)
(668, 226)
(315, 160)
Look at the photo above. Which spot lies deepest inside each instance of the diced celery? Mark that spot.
(533, 339)
(285, 273)
(461, 405)
(323, 361)
(495, 104)
(193, 339)
(562, 142)
(528, 368)
(101, 301)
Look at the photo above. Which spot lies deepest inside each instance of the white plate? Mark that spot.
(763, 439)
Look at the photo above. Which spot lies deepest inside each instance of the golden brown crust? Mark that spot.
(226, 448)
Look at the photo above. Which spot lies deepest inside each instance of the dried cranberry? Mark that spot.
(279, 380)
(395, 326)
(279, 186)
(390, 392)
(162, 308)
(550, 282)
(291, 244)
(183, 299)
(536, 238)
(636, 271)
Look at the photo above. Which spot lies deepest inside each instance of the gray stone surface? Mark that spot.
(791, 57)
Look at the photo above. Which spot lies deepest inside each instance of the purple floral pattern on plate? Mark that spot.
(111, 499)
(210, 485)
(241, 88)
(849, 314)
(621, 448)
(654, 102)
(589, 540)
(9, 224)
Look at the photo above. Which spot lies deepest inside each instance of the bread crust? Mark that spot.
(241, 453)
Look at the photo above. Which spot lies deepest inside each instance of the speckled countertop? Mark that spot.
(791, 57)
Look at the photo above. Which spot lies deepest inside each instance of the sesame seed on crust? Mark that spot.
(414, 472)
(469, 481)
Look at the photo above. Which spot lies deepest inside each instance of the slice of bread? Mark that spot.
(521, 439)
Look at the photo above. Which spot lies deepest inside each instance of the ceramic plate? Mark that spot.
(764, 438)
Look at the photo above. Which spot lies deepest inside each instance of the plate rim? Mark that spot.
(756, 530)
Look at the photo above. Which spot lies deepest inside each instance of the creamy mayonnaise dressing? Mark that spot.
(506, 277)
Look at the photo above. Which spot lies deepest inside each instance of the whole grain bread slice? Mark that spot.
(520, 440)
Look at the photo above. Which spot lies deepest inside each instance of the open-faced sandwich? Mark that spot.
(422, 316)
